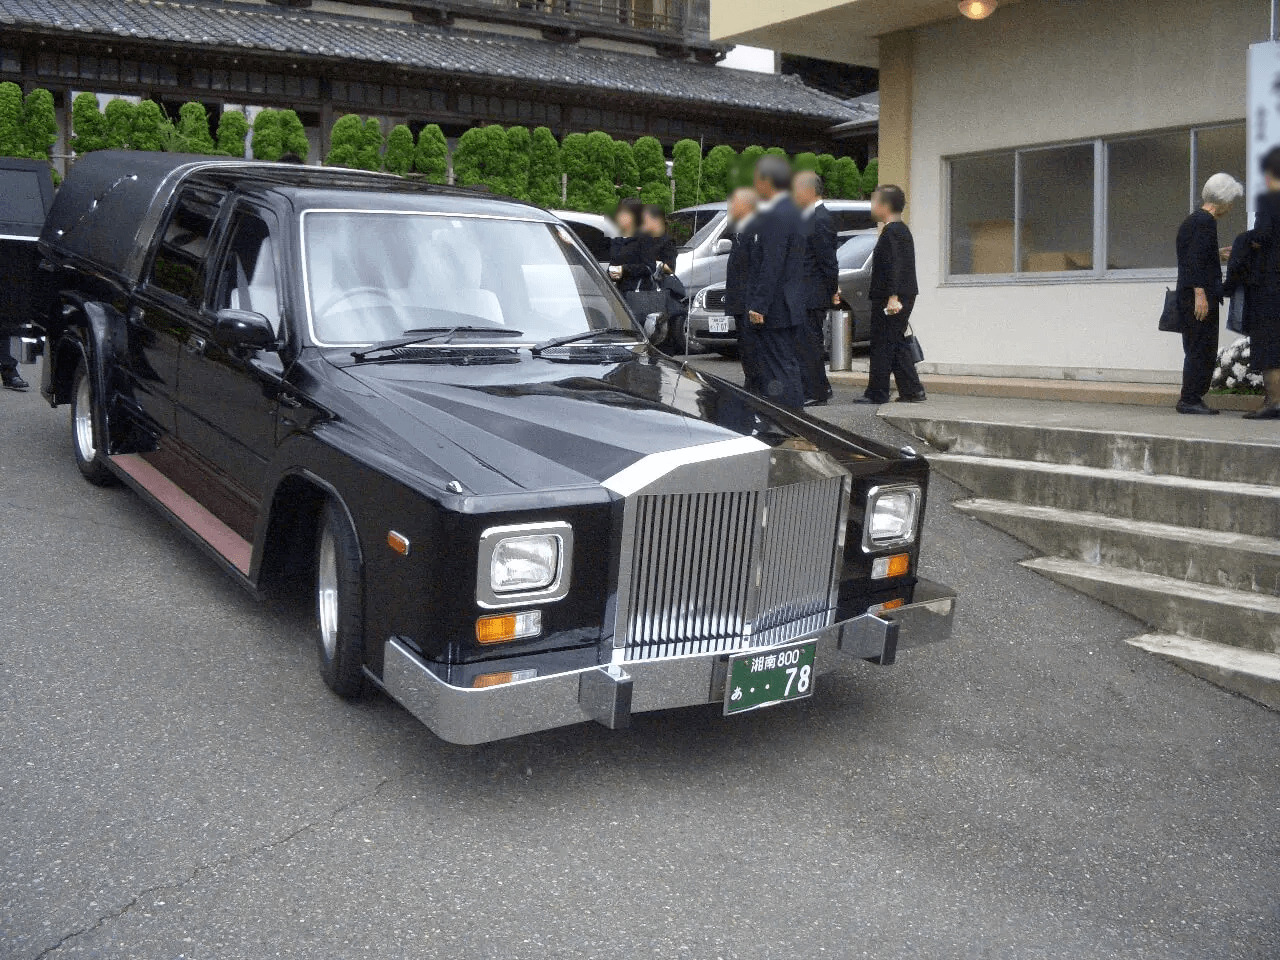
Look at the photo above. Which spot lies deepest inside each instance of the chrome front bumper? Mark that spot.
(610, 694)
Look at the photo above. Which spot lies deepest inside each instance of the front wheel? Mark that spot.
(85, 443)
(339, 603)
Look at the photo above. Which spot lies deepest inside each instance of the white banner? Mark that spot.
(1263, 123)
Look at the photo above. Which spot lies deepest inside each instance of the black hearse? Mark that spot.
(514, 513)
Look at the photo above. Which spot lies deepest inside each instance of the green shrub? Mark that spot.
(745, 173)
(431, 159)
(89, 127)
(267, 143)
(151, 129)
(39, 123)
(518, 154)
(118, 117)
(806, 161)
(481, 158)
(371, 144)
(626, 172)
(293, 135)
(778, 152)
(717, 173)
(655, 186)
(544, 169)
(233, 128)
(846, 180)
(12, 136)
(601, 194)
(399, 156)
(686, 171)
(826, 169)
(583, 178)
(344, 141)
(192, 132)
(870, 177)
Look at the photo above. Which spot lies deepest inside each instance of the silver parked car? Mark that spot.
(710, 327)
(594, 230)
(701, 234)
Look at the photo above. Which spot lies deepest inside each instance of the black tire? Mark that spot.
(729, 350)
(339, 587)
(86, 445)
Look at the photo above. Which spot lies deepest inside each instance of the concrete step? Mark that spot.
(1204, 458)
(1246, 672)
(1251, 509)
(1231, 617)
(1232, 560)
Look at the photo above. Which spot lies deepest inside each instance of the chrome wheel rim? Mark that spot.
(327, 593)
(82, 422)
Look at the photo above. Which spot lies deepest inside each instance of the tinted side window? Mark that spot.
(848, 220)
(247, 279)
(593, 239)
(179, 262)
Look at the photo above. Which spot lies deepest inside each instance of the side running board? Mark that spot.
(208, 531)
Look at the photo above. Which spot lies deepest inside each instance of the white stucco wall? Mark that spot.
(1041, 71)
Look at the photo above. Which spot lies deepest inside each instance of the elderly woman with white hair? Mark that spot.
(1200, 289)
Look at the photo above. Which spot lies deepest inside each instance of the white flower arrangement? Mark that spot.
(1232, 370)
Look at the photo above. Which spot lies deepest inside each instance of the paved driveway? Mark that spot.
(177, 782)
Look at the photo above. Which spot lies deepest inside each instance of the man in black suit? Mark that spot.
(776, 298)
(822, 280)
(737, 280)
(892, 291)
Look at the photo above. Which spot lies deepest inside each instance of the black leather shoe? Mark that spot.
(815, 403)
(913, 398)
(866, 399)
(1197, 408)
(1270, 411)
(11, 381)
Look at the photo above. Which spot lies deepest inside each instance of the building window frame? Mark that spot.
(1099, 272)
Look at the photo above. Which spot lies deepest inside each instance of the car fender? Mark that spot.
(99, 339)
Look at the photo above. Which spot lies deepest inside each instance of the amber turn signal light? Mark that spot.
(894, 566)
(887, 605)
(398, 542)
(498, 679)
(505, 627)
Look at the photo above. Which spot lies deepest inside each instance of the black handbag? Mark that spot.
(1171, 316)
(1235, 312)
(913, 346)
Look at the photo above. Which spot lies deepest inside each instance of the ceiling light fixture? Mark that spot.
(978, 9)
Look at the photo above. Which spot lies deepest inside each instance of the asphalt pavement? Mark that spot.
(179, 783)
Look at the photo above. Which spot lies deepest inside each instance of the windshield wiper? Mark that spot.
(585, 335)
(432, 335)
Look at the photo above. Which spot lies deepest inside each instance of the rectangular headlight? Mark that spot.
(523, 562)
(893, 513)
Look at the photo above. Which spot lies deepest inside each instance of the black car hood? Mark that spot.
(536, 424)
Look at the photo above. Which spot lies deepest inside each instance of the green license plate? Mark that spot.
(761, 678)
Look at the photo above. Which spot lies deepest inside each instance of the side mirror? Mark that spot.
(244, 329)
(723, 245)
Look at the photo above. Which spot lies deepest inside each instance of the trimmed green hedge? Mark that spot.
(516, 162)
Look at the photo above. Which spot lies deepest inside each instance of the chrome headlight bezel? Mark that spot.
(700, 300)
(559, 533)
(886, 492)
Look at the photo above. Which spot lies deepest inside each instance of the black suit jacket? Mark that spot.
(1199, 264)
(821, 271)
(630, 253)
(737, 278)
(777, 266)
(1264, 266)
(893, 264)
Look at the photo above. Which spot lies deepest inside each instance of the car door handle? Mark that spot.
(196, 345)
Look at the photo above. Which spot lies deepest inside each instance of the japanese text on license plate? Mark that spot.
(761, 679)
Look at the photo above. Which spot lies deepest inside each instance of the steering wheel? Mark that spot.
(351, 294)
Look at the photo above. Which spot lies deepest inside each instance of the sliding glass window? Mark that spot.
(1085, 209)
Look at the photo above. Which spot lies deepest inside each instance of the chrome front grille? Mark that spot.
(718, 571)
(715, 299)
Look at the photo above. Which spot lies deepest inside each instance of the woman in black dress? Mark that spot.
(1262, 291)
(628, 254)
(1200, 289)
(660, 249)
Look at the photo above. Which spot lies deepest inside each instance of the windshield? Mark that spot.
(854, 252)
(688, 228)
(373, 276)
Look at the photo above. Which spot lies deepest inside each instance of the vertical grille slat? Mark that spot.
(693, 559)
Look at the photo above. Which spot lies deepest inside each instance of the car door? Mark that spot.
(164, 306)
(228, 397)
